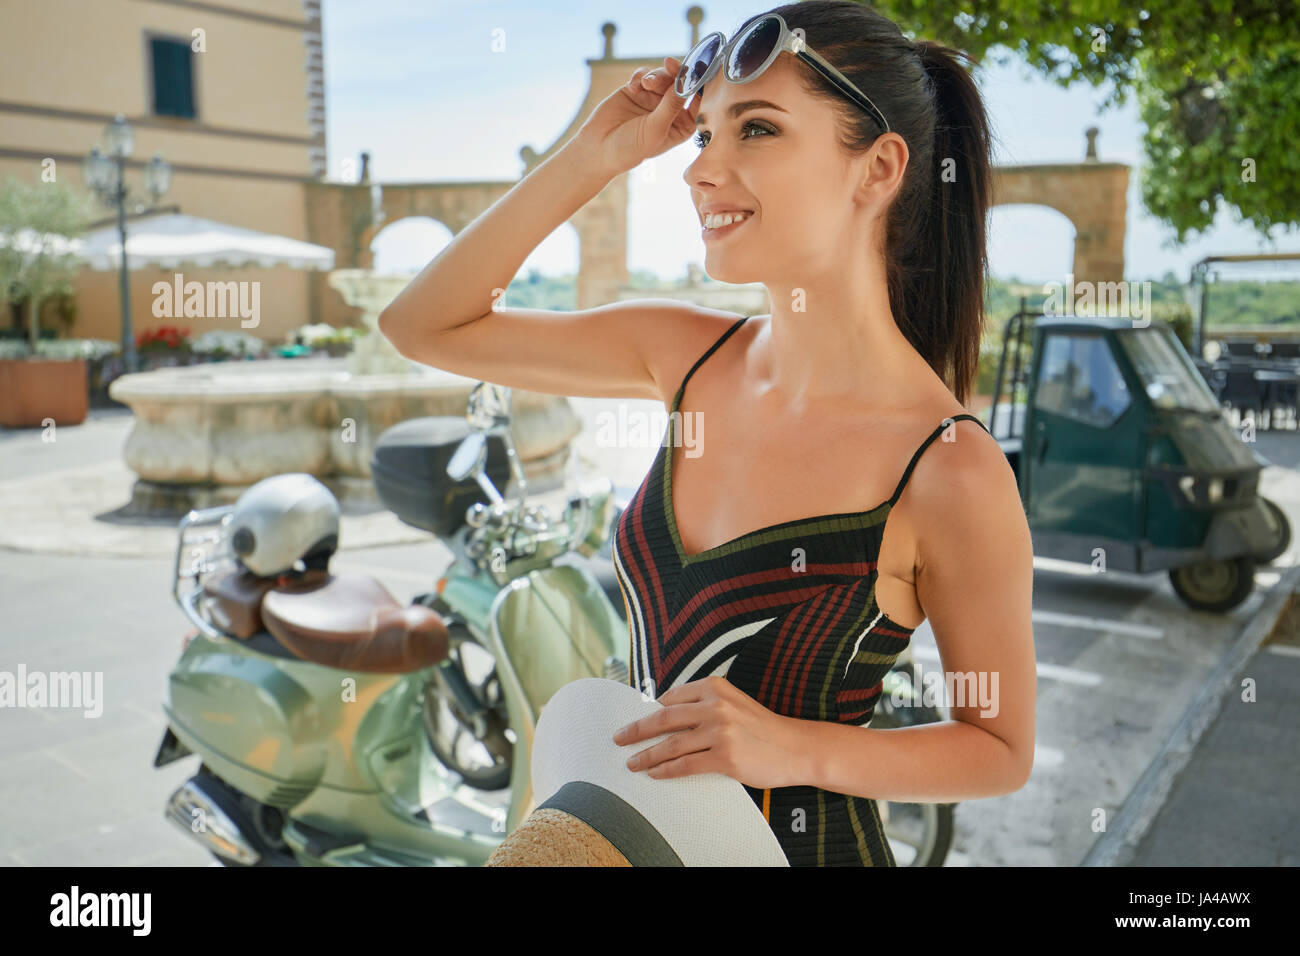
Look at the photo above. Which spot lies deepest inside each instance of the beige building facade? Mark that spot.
(229, 92)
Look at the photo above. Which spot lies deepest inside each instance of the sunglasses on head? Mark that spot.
(753, 50)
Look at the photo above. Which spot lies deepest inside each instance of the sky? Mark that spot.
(452, 90)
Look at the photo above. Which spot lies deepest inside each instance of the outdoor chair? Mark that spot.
(1241, 391)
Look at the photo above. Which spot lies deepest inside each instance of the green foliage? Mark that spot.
(227, 342)
(1217, 83)
(1179, 316)
(1002, 296)
(322, 334)
(987, 369)
(54, 213)
(1253, 303)
(89, 349)
(537, 291)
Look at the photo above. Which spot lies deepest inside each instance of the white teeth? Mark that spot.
(720, 219)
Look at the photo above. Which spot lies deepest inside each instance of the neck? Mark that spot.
(835, 341)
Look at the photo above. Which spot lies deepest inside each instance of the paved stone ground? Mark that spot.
(1235, 802)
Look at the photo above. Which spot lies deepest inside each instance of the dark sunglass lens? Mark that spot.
(696, 64)
(752, 49)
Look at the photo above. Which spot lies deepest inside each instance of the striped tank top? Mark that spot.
(786, 613)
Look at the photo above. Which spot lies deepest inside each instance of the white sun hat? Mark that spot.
(703, 819)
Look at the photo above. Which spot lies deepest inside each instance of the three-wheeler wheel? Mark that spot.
(1215, 585)
(1284, 541)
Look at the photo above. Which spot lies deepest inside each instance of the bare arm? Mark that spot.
(469, 276)
(451, 315)
(975, 583)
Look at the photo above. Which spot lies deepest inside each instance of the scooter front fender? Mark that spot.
(548, 628)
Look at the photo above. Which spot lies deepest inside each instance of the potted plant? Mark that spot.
(37, 263)
(222, 345)
(103, 364)
(164, 346)
(322, 338)
(341, 342)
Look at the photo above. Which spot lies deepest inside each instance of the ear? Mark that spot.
(882, 170)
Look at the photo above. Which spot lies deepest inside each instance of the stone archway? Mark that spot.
(1093, 195)
(342, 215)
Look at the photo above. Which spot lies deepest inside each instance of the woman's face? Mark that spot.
(780, 160)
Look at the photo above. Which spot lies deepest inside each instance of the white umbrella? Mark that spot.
(29, 243)
(176, 239)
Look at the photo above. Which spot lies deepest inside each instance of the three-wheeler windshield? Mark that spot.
(1166, 370)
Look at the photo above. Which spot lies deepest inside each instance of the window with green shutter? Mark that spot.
(173, 78)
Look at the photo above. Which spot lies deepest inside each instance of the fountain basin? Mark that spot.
(204, 433)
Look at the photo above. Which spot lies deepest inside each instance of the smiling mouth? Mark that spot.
(718, 231)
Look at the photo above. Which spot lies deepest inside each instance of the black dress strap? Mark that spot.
(926, 444)
(711, 349)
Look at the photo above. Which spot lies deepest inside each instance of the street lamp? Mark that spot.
(105, 175)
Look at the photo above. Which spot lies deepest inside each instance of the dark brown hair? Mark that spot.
(935, 254)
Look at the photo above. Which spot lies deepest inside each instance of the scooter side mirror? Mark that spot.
(469, 457)
(488, 408)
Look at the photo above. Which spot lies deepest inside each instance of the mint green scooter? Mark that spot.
(336, 727)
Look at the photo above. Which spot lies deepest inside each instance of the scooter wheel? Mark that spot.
(441, 717)
(927, 829)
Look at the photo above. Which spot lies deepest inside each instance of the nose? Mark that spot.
(706, 170)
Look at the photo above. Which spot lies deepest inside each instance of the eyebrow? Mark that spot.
(744, 106)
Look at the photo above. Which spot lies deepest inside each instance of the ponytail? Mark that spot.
(948, 255)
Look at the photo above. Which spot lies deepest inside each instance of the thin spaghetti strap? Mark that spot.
(926, 444)
(711, 349)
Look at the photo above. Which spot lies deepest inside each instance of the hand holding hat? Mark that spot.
(592, 810)
(715, 727)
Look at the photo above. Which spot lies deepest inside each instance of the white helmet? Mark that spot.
(281, 519)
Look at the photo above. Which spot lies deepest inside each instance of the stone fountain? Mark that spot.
(204, 433)
(372, 354)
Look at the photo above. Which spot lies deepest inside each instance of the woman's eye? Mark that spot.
(701, 142)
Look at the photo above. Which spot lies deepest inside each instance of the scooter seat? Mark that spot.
(235, 598)
(352, 622)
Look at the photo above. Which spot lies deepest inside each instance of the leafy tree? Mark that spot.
(36, 221)
(1217, 83)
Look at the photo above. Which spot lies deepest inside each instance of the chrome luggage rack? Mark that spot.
(201, 537)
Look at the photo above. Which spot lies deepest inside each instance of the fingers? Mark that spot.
(670, 108)
(655, 76)
(659, 77)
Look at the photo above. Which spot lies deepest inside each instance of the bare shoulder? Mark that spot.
(964, 494)
(688, 331)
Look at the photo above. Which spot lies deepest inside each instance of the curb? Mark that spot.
(1117, 846)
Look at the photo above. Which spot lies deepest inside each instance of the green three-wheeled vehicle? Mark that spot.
(1126, 460)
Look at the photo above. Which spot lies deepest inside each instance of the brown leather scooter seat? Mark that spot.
(235, 598)
(352, 622)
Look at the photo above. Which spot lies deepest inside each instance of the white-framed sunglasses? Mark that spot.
(751, 51)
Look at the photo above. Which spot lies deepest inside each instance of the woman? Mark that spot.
(765, 605)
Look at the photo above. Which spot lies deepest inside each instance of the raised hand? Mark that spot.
(640, 120)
